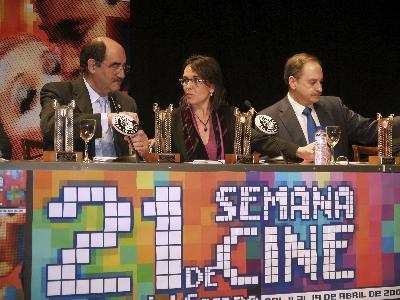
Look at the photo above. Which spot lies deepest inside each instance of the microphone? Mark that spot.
(247, 103)
(264, 123)
(124, 125)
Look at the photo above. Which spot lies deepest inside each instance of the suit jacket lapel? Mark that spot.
(82, 98)
(291, 123)
(323, 114)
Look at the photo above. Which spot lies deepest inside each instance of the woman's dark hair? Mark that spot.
(95, 49)
(208, 69)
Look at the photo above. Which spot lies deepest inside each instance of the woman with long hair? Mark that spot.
(203, 125)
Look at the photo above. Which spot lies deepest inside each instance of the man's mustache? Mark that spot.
(118, 79)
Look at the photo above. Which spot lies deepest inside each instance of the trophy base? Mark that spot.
(62, 156)
(242, 159)
(383, 160)
(163, 157)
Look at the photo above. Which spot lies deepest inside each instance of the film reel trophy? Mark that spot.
(385, 142)
(162, 136)
(241, 144)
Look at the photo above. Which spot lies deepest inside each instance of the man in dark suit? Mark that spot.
(304, 76)
(97, 96)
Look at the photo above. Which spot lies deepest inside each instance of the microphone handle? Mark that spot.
(116, 106)
(114, 103)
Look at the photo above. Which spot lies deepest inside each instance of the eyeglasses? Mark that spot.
(194, 81)
(116, 67)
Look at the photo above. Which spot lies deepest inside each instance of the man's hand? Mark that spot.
(128, 113)
(306, 152)
(152, 144)
(140, 142)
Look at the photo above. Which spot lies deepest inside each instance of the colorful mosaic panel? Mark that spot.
(13, 188)
(196, 235)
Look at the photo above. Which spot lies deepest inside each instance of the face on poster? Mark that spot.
(42, 45)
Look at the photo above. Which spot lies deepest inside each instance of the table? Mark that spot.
(190, 231)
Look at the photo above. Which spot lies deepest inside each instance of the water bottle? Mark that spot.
(321, 152)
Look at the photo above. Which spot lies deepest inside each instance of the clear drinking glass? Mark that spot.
(87, 130)
(333, 134)
(342, 160)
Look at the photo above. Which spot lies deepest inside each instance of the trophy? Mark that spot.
(63, 134)
(162, 136)
(385, 141)
(241, 144)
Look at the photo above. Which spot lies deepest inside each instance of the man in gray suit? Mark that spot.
(304, 76)
(97, 96)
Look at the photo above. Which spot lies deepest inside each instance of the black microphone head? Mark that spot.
(247, 103)
(125, 124)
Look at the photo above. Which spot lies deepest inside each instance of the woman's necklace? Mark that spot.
(204, 123)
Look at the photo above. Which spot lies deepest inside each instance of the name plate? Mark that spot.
(163, 157)
(387, 160)
(242, 159)
(66, 156)
(62, 156)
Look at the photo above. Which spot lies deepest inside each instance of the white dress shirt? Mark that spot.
(103, 146)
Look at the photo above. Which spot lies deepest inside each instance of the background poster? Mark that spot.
(13, 198)
(40, 41)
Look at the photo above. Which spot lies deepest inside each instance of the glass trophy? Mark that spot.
(242, 139)
(162, 136)
(63, 133)
(385, 141)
